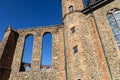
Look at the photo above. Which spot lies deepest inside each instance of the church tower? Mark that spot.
(88, 47)
(69, 5)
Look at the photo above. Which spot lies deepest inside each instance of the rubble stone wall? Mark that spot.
(57, 71)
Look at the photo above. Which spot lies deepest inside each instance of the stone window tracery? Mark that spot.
(113, 17)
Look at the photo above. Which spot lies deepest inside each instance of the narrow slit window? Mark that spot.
(75, 49)
(73, 29)
(71, 9)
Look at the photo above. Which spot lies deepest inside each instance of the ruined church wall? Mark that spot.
(57, 71)
(7, 52)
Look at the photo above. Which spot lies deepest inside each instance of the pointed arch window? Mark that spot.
(27, 54)
(46, 58)
(113, 17)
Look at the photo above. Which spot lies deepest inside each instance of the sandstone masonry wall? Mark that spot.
(112, 52)
(97, 56)
(7, 53)
(85, 64)
(57, 71)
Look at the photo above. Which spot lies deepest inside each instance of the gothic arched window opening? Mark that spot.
(113, 17)
(27, 54)
(46, 56)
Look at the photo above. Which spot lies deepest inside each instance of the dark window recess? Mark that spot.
(75, 49)
(73, 29)
(25, 66)
(71, 9)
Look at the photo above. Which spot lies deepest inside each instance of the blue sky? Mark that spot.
(29, 13)
(22, 14)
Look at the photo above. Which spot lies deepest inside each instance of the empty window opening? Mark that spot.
(71, 9)
(114, 21)
(73, 29)
(27, 53)
(46, 56)
(75, 49)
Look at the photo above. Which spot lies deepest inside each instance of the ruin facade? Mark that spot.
(84, 47)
